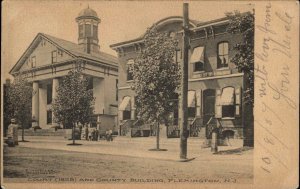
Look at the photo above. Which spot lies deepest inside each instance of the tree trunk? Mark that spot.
(23, 133)
(248, 126)
(73, 133)
(157, 136)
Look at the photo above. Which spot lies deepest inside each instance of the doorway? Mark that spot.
(209, 99)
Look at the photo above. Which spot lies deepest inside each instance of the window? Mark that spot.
(191, 111)
(80, 29)
(95, 31)
(49, 94)
(129, 69)
(228, 101)
(178, 55)
(228, 111)
(90, 83)
(88, 32)
(126, 114)
(33, 62)
(222, 55)
(49, 117)
(54, 56)
(197, 58)
(198, 66)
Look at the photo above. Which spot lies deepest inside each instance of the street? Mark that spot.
(49, 159)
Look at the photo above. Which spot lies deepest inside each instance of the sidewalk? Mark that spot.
(137, 147)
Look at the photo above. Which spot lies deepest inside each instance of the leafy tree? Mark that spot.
(74, 101)
(7, 112)
(19, 98)
(243, 23)
(156, 77)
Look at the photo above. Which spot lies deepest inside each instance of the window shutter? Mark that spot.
(218, 110)
(132, 100)
(198, 102)
(238, 99)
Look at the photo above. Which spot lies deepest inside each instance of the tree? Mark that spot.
(156, 78)
(244, 60)
(20, 94)
(7, 112)
(74, 101)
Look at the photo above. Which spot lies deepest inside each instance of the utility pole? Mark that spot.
(184, 85)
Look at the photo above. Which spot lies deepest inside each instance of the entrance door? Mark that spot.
(209, 98)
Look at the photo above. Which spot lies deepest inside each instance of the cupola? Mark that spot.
(88, 22)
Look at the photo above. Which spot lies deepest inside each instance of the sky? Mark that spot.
(120, 21)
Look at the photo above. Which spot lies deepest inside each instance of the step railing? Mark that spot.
(195, 127)
(212, 124)
(126, 126)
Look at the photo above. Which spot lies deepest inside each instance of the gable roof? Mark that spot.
(73, 49)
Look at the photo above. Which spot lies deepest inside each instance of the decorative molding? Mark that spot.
(126, 87)
(217, 77)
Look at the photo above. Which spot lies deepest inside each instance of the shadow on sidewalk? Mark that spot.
(237, 151)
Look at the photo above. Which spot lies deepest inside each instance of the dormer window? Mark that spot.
(222, 55)
(54, 57)
(197, 59)
(33, 62)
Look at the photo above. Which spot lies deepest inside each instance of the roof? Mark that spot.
(87, 13)
(194, 23)
(161, 22)
(71, 48)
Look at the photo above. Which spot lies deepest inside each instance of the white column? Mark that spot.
(35, 103)
(55, 84)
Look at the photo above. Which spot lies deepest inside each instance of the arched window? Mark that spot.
(88, 30)
(223, 55)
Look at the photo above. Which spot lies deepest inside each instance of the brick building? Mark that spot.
(215, 84)
(48, 59)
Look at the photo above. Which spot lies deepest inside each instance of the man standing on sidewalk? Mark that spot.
(12, 132)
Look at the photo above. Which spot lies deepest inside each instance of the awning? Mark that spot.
(227, 96)
(191, 98)
(125, 104)
(131, 61)
(198, 55)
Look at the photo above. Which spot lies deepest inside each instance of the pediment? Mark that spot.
(41, 52)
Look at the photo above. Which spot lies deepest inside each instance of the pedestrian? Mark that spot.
(110, 135)
(12, 132)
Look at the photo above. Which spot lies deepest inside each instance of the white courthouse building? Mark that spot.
(48, 59)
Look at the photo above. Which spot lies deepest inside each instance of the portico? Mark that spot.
(48, 59)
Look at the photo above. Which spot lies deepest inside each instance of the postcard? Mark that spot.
(152, 94)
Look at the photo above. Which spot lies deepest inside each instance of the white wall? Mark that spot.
(99, 91)
(43, 107)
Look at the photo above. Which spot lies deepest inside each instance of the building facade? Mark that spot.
(48, 59)
(215, 85)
